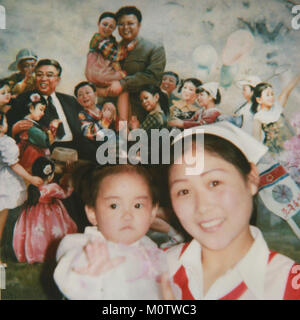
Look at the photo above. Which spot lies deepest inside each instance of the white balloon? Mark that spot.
(204, 58)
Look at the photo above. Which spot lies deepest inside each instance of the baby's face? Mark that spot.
(106, 27)
(124, 210)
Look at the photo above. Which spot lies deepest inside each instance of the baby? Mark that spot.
(113, 259)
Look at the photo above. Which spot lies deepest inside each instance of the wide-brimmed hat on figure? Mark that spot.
(22, 55)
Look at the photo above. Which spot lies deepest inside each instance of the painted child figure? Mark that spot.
(92, 118)
(5, 96)
(227, 259)
(270, 126)
(185, 108)
(12, 175)
(247, 85)
(277, 189)
(169, 83)
(114, 259)
(34, 142)
(103, 61)
(155, 102)
(209, 98)
(24, 79)
(44, 220)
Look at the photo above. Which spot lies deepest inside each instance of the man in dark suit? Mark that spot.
(59, 106)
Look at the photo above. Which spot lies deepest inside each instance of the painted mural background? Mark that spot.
(194, 33)
(62, 30)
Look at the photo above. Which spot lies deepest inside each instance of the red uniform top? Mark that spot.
(260, 275)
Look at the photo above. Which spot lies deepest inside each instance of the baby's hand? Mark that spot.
(98, 259)
(134, 123)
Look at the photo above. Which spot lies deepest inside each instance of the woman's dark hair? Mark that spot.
(217, 100)
(173, 74)
(107, 14)
(129, 10)
(87, 179)
(49, 62)
(3, 83)
(83, 84)
(257, 92)
(43, 168)
(34, 99)
(222, 148)
(163, 98)
(196, 82)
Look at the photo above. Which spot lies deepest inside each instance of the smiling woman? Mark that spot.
(227, 258)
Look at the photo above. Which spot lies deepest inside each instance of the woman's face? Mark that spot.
(188, 92)
(106, 27)
(215, 206)
(37, 111)
(86, 96)
(168, 83)
(267, 97)
(5, 95)
(124, 210)
(148, 100)
(204, 98)
(129, 27)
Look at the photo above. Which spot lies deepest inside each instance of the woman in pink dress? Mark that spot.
(44, 220)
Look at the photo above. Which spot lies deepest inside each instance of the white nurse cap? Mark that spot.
(211, 88)
(249, 146)
(249, 81)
